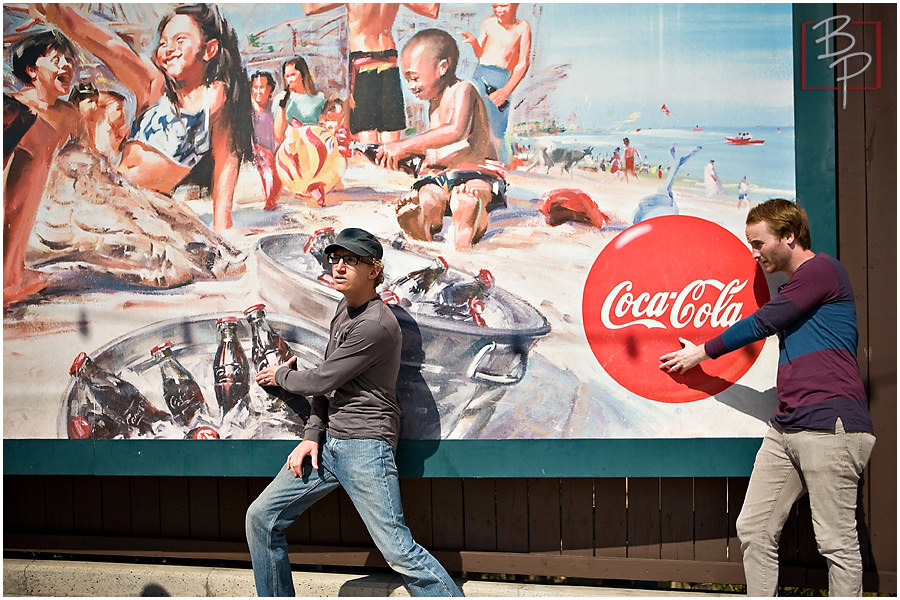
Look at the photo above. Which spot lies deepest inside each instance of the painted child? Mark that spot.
(503, 50)
(36, 122)
(457, 147)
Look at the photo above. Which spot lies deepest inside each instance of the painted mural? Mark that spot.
(560, 190)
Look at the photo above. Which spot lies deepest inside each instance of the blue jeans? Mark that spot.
(367, 470)
(828, 466)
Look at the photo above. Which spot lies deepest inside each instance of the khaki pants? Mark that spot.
(826, 464)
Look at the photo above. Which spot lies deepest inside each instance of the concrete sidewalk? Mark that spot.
(31, 577)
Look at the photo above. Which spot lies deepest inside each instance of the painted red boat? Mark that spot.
(742, 141)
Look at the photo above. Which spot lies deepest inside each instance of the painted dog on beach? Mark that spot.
(565, 158)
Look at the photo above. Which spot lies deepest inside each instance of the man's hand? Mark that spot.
(267, 375)
(298, 455)
(683, 360)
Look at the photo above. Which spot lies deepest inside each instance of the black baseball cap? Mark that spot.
(358, 241)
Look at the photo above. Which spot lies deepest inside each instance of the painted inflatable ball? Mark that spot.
(309, 162)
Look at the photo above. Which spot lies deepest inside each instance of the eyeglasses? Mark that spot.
(350, 260)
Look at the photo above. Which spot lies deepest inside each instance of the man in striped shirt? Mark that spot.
(821, 435)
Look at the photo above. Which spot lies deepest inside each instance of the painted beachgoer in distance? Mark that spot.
(301, 101)
(630, 152)
(712, 181)
(262, 86)
(193, 102)
(456, 147)
(333, 116)
(503, 50)
(377, 113)
(36, 122)
(615, 163)
(334, 119)
(743, 193)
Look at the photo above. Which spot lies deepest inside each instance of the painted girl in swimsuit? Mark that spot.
(300, 100)
(193, 100)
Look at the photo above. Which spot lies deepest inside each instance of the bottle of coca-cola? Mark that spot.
(489, 89)
(415, 285)
(456, 295)
(85, 419)
(269, 348)
(316, 244)
(180, 390)
(231, 370)
(411, 165)
(119, 408)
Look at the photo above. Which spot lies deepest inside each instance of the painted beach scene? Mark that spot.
(173, 172)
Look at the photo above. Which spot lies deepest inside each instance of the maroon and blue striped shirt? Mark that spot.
(814, 315)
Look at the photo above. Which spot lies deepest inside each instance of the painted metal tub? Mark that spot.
(496, 354)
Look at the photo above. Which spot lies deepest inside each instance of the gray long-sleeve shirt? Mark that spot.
(362, 361)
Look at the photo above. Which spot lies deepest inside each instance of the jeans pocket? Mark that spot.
(865, 442)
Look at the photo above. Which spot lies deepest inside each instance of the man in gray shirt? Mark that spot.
(360, 423)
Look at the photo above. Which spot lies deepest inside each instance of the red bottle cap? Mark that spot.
(389, 297)
(162, 346)
(316, 234)
(78, 428)
(486, 278)
(254, 308)
(76, 364)
(227, 320)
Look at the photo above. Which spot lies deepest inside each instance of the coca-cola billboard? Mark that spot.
(542, 316)
(668, 278)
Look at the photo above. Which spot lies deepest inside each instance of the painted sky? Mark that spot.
(711, 64)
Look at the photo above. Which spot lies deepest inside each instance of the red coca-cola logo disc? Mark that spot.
(663, 279)
(203, 433)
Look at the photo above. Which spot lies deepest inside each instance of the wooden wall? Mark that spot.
(649, 529)
(867, 236)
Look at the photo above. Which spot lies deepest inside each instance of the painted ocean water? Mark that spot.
(769, 167)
